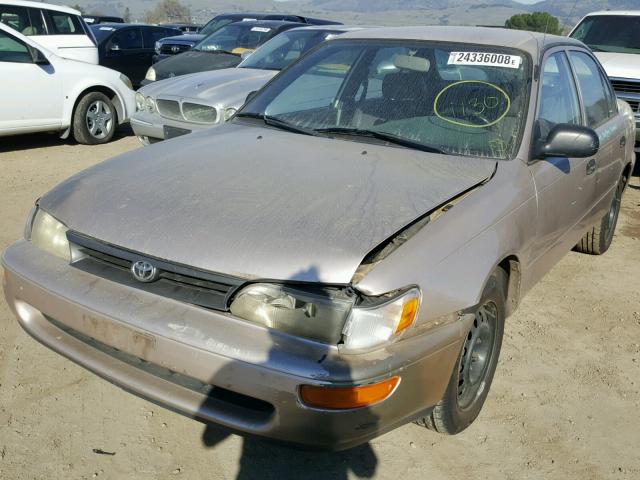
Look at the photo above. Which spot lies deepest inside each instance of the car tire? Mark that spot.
(94, 119)
(598, 240)
(476, 363)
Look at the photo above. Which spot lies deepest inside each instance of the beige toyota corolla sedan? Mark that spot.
(341, 257)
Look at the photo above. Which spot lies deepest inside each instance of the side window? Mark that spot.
(16, 18)
(128, 39)
(152, 35)
(13, 50)
(61, 23)
(595, 90)
(558, 96)
(37, 22)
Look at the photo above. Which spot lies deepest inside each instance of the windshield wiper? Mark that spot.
(387, 137)
(278, 123)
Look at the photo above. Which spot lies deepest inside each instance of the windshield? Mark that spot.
(215, 24)
(283, 49)
(610, 33)
(455, 99)
(236, 38)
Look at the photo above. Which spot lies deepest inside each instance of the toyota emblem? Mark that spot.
(144, 271)
(175, 49)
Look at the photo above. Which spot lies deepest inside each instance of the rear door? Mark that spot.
(66, 36)
(124, 52)
(601, 114)
(31, 94)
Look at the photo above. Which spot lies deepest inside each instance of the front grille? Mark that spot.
(623, 85)
(220, 399)
(634, 104)
(178, 282)
(169, 109)
(195, 112)
(174, 48)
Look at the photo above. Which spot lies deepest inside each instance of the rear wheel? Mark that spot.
(476, 365)
(598, 240)
(95, 119)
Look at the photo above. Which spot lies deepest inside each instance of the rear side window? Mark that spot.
(15, 17)
(152, 35)
(128, 39)
(12, 50)
(61, 23)
(37, 22)
(595, 89)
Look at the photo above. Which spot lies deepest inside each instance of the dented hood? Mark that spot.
(260, 203)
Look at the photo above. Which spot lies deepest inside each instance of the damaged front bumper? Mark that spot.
(214, 368)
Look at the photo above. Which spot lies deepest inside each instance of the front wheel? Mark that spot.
(598, 240)
(476, 364)
(95, 119)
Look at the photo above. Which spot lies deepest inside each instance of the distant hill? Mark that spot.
(375, 12)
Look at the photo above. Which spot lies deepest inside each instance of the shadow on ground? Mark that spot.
(43, 140)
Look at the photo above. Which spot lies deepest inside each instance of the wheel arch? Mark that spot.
(109, 92)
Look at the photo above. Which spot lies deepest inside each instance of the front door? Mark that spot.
(31, 94)
(563, 185)
(125, 53)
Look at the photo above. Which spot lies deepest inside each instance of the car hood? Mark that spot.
(256, 202)
(620, 65)
(192, 62)
(227, 86)
(189, 38)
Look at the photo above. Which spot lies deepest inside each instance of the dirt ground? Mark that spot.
(565, 402)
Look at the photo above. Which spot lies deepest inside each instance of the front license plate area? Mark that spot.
(173, 132)
(117, 335)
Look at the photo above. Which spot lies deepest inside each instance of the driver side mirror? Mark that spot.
(572, 141)
(38, 57)
(114, 47)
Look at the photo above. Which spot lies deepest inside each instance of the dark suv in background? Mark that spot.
(179, 44)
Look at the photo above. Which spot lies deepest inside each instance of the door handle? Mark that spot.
(623, 142)
(591, 166)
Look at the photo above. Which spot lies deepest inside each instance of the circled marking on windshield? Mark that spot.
(472, 104)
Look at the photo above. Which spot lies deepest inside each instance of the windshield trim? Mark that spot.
(527, 80)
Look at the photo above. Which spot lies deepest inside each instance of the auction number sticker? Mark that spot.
(485, 59)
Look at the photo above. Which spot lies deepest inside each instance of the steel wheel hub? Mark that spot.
(476, 355)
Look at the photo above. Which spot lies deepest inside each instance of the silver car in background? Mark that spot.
(339, 258)
(180, 105)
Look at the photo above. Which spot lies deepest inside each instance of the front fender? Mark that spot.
(452, 257)
(123, 98)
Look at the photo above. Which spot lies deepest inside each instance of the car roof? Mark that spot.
(330, 28)
(530, 42)
(630, 13)
(44, 6)
(118, 26)
(266, 23)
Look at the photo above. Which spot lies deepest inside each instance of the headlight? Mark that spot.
(316, 314)
(139, 102)
(49, 234)
(151, 74)
(370, 326)
(124, 79)
(229, 112)
(329, 315)
(150, 104)
(158, 47)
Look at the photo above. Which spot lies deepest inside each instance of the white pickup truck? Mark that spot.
(614, 37)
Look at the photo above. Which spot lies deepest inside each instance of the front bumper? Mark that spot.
(214, 368)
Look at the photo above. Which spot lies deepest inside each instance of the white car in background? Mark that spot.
(614, 37)
(42, 92)
(59, 29)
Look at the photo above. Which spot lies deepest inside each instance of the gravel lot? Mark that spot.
(565, 401)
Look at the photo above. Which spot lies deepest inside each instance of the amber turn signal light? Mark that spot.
(345, 398)
(409, 311)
